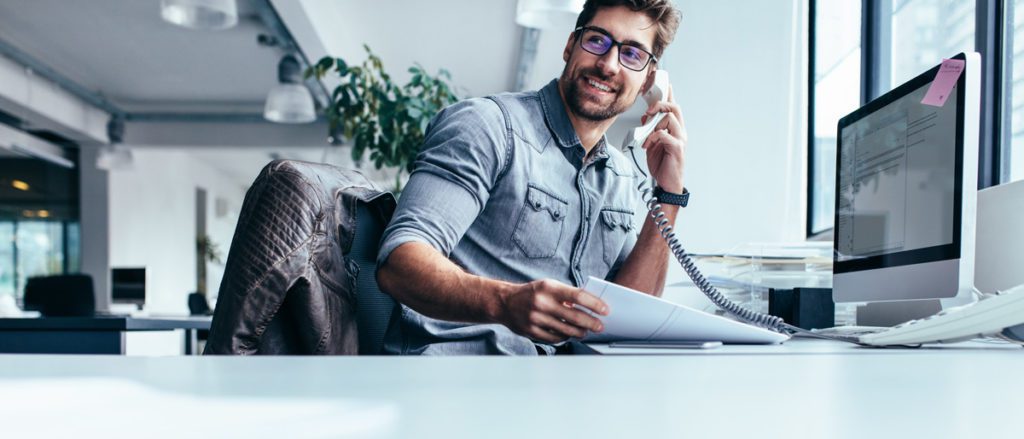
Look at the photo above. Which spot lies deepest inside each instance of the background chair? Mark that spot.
(68, 295)
(300, 274)
(197, 305)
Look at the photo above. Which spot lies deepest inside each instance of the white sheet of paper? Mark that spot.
(642, 317)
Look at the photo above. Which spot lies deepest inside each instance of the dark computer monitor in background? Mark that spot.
(906, 188)
(128, 285)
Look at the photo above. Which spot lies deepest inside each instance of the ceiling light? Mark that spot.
(19, 185)
(200, 14)
(548, 14)
(114, 158)
(43, 213)
(289, 101)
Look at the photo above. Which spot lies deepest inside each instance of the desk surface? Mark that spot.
(805, 388)
(104, 323)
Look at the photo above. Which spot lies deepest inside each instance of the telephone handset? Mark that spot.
(657, 93)
(635, 138)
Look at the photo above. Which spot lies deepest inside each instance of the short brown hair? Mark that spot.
(662, 12)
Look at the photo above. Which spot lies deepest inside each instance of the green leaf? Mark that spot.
(324, 63)
(380, 117)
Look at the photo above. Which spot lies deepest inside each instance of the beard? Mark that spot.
(577, 101)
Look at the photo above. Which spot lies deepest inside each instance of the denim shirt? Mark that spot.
(511, 201)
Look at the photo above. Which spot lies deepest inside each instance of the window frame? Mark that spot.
(990, 36)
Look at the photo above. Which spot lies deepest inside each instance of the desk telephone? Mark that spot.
(1000, 315)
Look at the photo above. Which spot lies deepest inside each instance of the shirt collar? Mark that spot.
(556, 117)
(559, 123)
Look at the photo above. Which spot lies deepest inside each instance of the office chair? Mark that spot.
(67, 295)
(300, 274)
(374, 309)
(197, 305)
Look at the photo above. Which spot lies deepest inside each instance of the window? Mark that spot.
(861, 49)
(926, 31)
(1013, 154)
(7, 248)
(40, 250)
(39, 225)
(836, 92)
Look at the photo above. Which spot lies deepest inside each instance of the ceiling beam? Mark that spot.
(43, 104)
(29, 67)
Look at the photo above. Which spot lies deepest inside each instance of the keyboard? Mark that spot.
(986, 317)
(850, 334)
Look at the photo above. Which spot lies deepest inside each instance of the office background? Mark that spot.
(741, 71)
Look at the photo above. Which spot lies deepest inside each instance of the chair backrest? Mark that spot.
(374, 309)
(197, 305)
(68, 295)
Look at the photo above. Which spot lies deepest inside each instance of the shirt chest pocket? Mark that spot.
(540, 225)
(615, 225)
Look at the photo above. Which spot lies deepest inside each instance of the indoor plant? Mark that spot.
(379, 116)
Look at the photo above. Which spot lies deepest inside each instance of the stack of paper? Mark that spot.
(635, 316)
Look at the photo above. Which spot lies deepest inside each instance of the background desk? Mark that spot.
(805, 388)
(88, 335)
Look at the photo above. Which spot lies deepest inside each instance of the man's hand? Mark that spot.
(543, 310)
(666, 146)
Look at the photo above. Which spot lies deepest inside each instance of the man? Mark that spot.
(516, 199)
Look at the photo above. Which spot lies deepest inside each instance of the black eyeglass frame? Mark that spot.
(615, 43)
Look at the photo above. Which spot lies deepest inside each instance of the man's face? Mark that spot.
(595, 87)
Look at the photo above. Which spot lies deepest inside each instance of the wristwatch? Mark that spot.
(672, 198)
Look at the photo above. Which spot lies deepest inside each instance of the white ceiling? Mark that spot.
(477, 41)
(122, 49)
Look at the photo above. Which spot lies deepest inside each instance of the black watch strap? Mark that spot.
(672, 198)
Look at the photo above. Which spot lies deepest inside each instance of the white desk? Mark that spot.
(805, 388)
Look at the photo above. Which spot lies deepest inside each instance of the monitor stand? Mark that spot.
(894, 313)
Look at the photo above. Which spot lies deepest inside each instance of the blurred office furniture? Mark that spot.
(88, 335)
(67, 295)
(128, 286)
(304, 248)
(1000, 242)
(197, 305)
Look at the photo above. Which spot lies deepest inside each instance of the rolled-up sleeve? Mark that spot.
(464, 152)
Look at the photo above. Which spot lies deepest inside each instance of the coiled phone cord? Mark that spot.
(654, 208)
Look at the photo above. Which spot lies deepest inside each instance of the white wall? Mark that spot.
(739, 73)
(95, 211)
(152, 222)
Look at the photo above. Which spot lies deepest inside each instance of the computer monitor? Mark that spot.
(128, 286)
(906, 188)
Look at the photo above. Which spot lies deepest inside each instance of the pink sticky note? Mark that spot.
(943, 83)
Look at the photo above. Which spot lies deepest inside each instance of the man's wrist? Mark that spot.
(497, 305)
(676, 188)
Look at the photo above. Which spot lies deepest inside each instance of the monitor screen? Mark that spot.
(128, 285)
(898, 182)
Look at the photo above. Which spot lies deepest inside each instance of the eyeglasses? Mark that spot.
(599, 42)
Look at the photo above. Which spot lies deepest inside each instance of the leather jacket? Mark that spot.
(288, 287)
